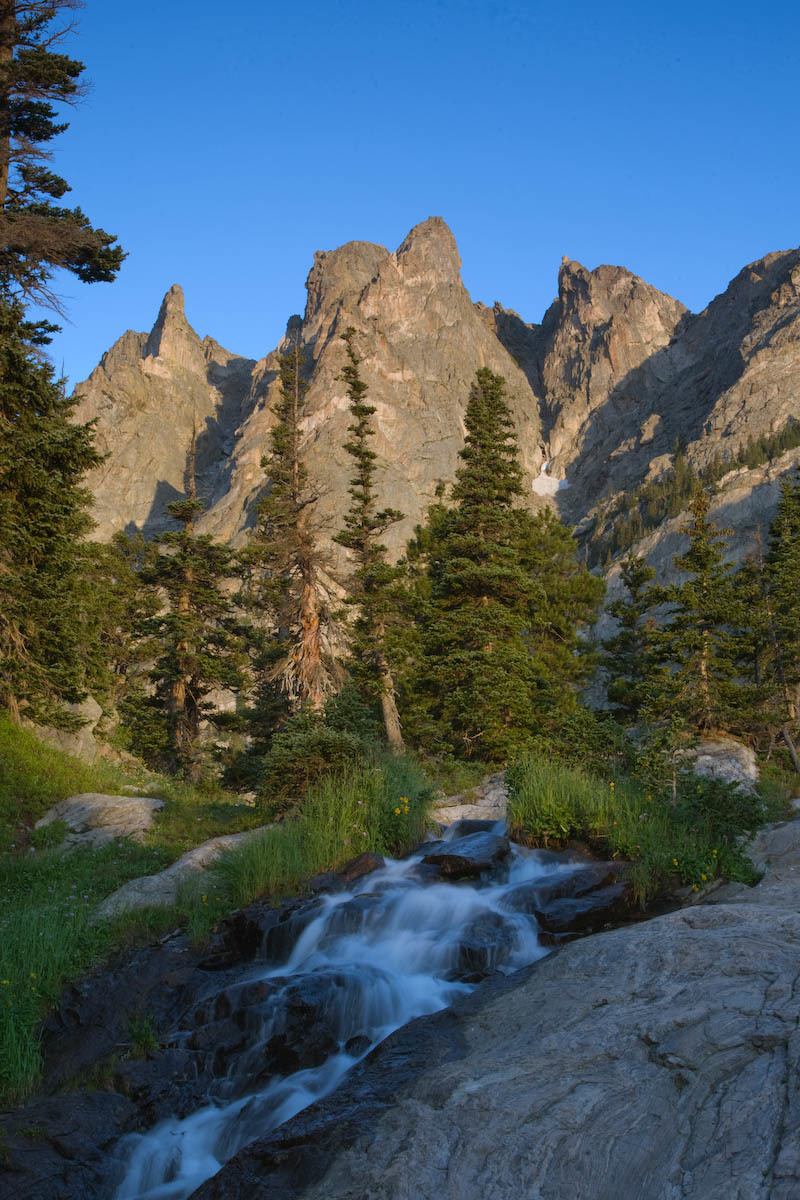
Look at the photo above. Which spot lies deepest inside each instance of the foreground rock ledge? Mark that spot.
(656, 1062)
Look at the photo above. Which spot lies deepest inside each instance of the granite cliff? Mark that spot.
(602, 388)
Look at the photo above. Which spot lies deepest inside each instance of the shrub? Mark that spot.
(691, 842)
(305, 750)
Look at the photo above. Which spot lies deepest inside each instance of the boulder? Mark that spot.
(470, 856)
(80, 742)
(487, 802)
(93, 819)
(724, 759)
(162, 888)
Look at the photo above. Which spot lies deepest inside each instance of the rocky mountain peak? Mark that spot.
(430, 248)
(172, 337)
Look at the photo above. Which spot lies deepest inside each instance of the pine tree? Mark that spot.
(630, 656)
(283, 560)
(371, 583)
(782, 599)
(500, 654)
(38, 236)
(45, 589)
(703, 690)
(196, 638)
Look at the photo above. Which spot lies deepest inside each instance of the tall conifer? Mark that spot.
(370, 585)
(196, 638)
(499, 645)
(283, 562)
(630, 655)
(702, 690)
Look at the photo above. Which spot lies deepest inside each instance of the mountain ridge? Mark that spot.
(602, 388)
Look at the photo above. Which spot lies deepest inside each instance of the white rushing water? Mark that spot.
(382, 954)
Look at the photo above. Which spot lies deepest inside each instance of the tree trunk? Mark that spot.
(790, 746)
(308, 655)
(8, 32)
(391, 717)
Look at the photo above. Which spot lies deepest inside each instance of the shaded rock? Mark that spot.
(574, 881)
(351, 872)
(162, 888)
(93, 819)
(578, 914)
(81, 741)
(467, 857)
(58, 1150)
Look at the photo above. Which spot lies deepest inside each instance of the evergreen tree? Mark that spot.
(782, 600)
(196, 639)
(37, 234)
(500, 653)
(630, 656)
(295, 663)
(702, 691)
(372, 580)
(46, 596)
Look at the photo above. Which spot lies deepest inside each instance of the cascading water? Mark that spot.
(394, 948)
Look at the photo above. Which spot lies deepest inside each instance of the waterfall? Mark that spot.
(395, 947)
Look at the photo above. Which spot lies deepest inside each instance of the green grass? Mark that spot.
(690, 842)
(379, 808)
(47, 896)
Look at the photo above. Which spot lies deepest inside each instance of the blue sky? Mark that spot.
(226, 143)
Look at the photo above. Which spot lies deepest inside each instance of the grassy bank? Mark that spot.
(691, 840)
(47, 896)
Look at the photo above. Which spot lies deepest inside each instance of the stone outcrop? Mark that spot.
(92, 819)
(656, 1061)
(163, 887)
(486, 802)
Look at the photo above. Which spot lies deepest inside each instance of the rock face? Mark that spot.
(93, 819)
(421, 341)
(601, 389)
(657, 1061)
(147, 396)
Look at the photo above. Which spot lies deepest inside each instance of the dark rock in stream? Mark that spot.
(469, 857)
(57, 1148)
(578, 901)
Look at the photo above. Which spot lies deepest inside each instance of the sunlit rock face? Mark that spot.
(601, 390)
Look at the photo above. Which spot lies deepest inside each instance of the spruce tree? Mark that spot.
(500, 653)
(702, 691)
(295, 661)
(196, 638)
(782, 599)
(630, 656)
(38, 235)
(45, 582)
(371, 582)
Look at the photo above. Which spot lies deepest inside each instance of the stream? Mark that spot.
(400, 944)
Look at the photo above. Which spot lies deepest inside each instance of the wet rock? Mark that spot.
(468, 857)
(93, 819)
(485, 945)
(573, 914)
(351, 872)
(57, 1148)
